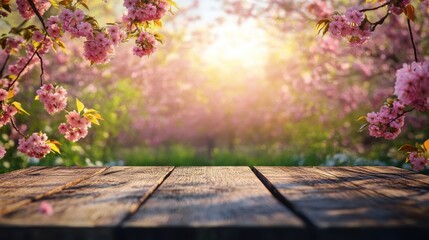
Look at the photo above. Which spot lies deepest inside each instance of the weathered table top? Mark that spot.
(215, 203)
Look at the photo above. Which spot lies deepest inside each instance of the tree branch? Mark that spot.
(375, 8)
(4, 65)
(41, 68)
(33, 6)
(16, 128)
(412, 40)
(379, 22)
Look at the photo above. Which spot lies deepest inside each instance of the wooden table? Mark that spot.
(215, 203)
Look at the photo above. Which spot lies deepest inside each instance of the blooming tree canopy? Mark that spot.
(45, 24)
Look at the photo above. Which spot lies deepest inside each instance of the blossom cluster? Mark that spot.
(34, 146)
(27, 12)
(140, 11)
(412, 85)
(6, 113)
(387, 123)
(397, 7)
(24, 61)
(76, 126)
(98, 44)
(53, 98)
(145, 44)
(351, 25)
(418, 160)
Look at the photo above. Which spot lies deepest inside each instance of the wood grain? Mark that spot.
(199, 202)
(408, 197)
(103, 200)
(19, 189)
(339, 207)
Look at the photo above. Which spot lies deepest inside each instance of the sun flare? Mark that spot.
(237, 44)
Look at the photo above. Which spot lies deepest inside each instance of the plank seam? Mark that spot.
(27, 201)
(143, 199)
(283, 200)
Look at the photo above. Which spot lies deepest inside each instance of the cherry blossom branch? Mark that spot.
(33, 6)
(16, 128)
(379, 22)
(412, 40)
(375, 8)
(400, 115)
(41, 68)
(26, 64)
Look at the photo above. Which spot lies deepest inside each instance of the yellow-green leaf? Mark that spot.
(79, 105)
(173, 3)
(92, 118)
(54, 3)
(18, 106)
(54, 147)
(36, 97)
(361, 118)
(10, 94)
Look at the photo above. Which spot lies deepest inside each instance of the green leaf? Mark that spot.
(18, 106)
(79, 105)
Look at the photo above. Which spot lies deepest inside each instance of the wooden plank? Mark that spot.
(407, 197)
(394, 171)
(17, 173)
(34, 184)
(90, 209)
(213, 203)
(338, 208)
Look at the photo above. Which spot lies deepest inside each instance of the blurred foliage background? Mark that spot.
(235, 83)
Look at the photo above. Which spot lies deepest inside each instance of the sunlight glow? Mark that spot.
(242, 45)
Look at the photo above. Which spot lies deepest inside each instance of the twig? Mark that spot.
(25, 66)
(375, 8)
(41, 68)
(412, 40)
(33, 6)
(400, 115)
(16, 128)
(4, 65)
(379, 22)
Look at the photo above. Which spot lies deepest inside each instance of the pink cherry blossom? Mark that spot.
(53, 98)
(3, 94)
(412, 85)
(418, 161)
(34, 146)
(145, 44)
(46, 208)
(27, 12)
(76, 126)
(387, 123)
